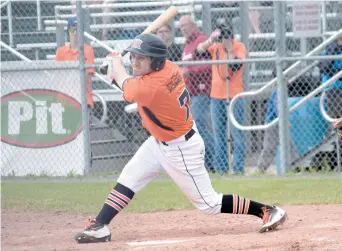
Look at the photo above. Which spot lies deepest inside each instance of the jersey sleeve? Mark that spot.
(90, 59)
(138, 90)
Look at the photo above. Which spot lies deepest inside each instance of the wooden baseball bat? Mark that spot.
(163, 19)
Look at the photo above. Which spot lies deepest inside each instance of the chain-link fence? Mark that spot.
(256, 37)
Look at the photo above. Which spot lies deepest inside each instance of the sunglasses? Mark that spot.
(73, 28)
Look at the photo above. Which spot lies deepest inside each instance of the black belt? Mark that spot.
(187, 136)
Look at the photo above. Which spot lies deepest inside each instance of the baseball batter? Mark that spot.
(157, 86)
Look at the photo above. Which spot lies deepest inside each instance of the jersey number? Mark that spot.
(184, 100)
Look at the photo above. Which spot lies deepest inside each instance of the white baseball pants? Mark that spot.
(183, 161)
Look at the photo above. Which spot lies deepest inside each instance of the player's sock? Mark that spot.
(117, 199)
(235, 204)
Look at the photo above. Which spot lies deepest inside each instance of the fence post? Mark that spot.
(282, 95)
(87, 21)
(206, 18)
(39, 16)
(85, 115)
(10, 24)
(324, 20)
(245, 31)
(60, 38)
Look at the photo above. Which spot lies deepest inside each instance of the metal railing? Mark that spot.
(331, 120)
(308, 56)
(293, 108)
(323, 111)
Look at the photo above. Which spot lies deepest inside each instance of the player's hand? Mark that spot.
(115, 58)
(112, 61)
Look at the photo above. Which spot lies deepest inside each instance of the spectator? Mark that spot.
(226, 48)
(174, 51)
(271, 138)
(328, 69)
(69, 52)
(197, 79)
(333, 92)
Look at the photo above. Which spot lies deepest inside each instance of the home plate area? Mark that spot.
(316, 227)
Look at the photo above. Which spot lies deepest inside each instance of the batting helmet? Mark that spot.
(152, 46)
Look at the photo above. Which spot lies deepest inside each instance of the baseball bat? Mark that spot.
(163, 19)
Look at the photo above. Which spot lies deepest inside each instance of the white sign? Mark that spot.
(41, 120)
(307, 19)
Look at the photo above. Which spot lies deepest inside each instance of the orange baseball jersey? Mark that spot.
(219, 85)
(163, 102)
(65, 53)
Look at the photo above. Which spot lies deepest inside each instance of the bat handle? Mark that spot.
(104, 68)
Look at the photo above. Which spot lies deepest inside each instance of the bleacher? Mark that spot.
(37, 40)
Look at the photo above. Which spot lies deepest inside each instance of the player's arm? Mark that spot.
(116, 69)
(138, 90)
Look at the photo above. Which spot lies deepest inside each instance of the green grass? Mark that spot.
(88, 197)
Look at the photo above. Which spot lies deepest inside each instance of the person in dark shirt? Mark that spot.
(174, 51)
(198, 83)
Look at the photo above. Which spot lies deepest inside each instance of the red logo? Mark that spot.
(137, 44)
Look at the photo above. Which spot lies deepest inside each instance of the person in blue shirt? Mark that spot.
(271, 137)
(328, 69)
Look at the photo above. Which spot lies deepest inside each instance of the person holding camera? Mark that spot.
(227, 81)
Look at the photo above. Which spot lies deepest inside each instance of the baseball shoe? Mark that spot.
(94, 232)
(272, 218)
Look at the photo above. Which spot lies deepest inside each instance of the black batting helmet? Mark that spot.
(152, 46)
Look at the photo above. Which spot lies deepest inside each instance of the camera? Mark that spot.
(226, 32)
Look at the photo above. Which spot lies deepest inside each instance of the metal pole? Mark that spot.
(282, 95)
(85, 120)
(303, 48)
(39, 21)
(13, 51)
(338, 152)
(324, 20)
(229, 139)
(245, 31)
(206, 18)
(60, 36)
(10, 24)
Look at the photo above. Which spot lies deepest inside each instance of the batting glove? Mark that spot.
(109, 61)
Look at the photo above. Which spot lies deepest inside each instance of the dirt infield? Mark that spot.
(309, 228)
